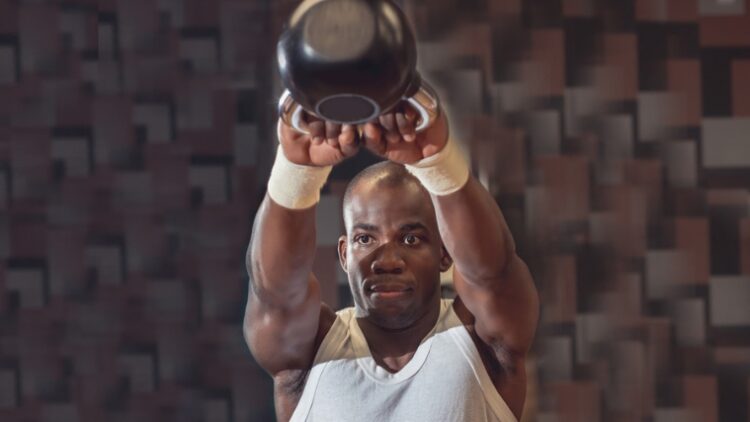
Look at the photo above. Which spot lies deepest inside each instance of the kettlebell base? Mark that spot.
(347, 109)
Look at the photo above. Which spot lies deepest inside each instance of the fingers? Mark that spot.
(388, 122)
(411, 114)
(406, 127)
(334, 135)
(347, 141)
(374, 140)
(400, 124)
(317, 132)
(316, 128)
(333, 130)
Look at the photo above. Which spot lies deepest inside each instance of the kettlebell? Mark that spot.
(349, 61)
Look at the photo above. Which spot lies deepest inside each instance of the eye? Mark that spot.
(411, 239)
(363, 239)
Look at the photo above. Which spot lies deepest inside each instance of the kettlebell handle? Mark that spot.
(425, 101)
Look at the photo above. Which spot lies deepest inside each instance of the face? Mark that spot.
(392, 253)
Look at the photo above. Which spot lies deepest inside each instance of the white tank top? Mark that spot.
(444, 381)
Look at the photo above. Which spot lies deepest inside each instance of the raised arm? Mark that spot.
(491, 279)
(492, 282)
(282, 317)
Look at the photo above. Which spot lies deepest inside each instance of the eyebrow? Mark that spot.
(365, 227)
(412, 226)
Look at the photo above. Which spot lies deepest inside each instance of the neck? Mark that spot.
(393, 348)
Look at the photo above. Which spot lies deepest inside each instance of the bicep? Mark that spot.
(506, 310)
(283, 337)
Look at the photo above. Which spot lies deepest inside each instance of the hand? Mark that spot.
(393, 136)
(327, 144)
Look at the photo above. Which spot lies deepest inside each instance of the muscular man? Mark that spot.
(401, 353)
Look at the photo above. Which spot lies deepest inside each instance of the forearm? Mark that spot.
(475, 232)
(471, 225)
(282, 250)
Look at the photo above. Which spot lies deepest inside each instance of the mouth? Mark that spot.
(389, 290)
(390, 295)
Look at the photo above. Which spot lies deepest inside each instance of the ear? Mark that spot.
(445, 260)
(342, 252)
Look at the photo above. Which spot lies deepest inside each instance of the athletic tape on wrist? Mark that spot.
(443, 173)
(295, 186)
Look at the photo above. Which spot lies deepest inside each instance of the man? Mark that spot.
(402, 353)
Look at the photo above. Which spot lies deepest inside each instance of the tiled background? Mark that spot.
(136, 137)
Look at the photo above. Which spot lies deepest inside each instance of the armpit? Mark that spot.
(291, 382)
(498, 359)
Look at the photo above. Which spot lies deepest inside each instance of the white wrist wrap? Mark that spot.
(443, 173)
(295, 186)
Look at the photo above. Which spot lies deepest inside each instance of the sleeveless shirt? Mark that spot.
(445, 380)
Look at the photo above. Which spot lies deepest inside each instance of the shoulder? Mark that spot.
(283, 339)
(328, 318)
(290, 383)
(506, 369)
(500, 361)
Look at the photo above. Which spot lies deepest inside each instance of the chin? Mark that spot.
(394, 316)
(394, 311)
(391, 319)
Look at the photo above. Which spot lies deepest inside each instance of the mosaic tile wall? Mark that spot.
(136, 138)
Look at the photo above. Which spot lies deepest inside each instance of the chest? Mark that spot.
(437, 384)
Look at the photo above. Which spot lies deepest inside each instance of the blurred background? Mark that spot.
(136, 138)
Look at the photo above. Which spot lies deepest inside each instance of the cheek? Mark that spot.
(356, 261)
(360, 264)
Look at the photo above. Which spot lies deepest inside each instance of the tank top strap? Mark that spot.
(465, 344)
(332, 343)
(330, 348)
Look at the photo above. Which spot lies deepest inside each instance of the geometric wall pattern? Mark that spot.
(136, 138)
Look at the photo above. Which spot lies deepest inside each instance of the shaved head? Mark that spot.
(382, 175)
(392, 238)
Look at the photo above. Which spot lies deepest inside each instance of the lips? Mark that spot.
(388, 289)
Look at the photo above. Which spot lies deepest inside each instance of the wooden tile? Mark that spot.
(684, 79)
(692, 236)
(548, 62)
(725, 31)
(618, 77)
(560, 302)
(682, 11)
(745, 246)
(740, 88)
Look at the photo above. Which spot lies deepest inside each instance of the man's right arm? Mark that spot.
(282, 317)
(283, 307)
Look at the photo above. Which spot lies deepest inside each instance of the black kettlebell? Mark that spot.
(349, 61)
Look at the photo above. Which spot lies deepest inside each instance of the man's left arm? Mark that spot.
(493, 283)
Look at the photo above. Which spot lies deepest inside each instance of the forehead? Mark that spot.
(383, 206)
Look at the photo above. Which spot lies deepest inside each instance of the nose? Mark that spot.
(387, 260)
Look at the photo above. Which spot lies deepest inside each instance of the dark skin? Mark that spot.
(399, 238)
(393, 255)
